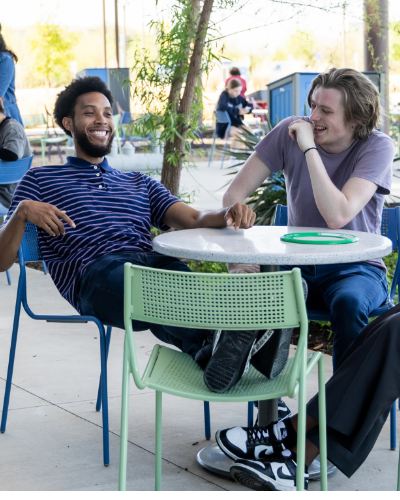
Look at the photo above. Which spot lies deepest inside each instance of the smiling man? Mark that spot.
(92, 219)
(337, 168)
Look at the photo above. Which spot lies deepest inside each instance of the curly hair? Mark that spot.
(4, 48)
(66, 99)
(361, 98)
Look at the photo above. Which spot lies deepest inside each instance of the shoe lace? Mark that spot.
(261, 435)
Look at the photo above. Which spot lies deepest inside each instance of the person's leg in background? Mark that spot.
(350, 293)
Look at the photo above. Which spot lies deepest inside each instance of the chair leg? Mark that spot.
(158, 439)
(103, 361)
(212, 148)
(123, 451)
(8, 277)
(393, 426)
(207, 421)
(108, 340)
(43, 144)
(301, 429)
(250, 414)
(226, 142)
(322, 424)
(11, 362)
(44, 267)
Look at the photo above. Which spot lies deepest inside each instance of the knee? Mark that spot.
(350, 308)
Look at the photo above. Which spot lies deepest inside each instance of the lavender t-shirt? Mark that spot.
(369, 159)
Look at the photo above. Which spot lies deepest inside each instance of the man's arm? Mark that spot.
(43, 215)
(249, 178)
(337, 207)
(181, 216)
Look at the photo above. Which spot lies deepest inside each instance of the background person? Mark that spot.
(7, 80)
(236, 106)
(338, 169)
(14, 145)
(235, 73)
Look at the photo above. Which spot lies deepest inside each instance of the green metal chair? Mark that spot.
(117, 124)
(197, 300)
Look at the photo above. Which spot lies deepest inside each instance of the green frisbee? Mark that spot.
(319, 238)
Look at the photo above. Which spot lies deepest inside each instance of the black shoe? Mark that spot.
(252, 443)
(203, 356)
(230, 359)
(276, 473)
(271, 352)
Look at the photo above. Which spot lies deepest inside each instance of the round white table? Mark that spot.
(262, 245)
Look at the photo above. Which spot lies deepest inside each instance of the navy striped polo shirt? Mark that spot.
(113, 212)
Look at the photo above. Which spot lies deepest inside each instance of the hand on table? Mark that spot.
(44, 215)
(302, 132)
(240, 216)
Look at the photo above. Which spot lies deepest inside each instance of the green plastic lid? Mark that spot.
(319, 238)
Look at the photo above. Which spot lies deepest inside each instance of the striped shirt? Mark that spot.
(113, 212)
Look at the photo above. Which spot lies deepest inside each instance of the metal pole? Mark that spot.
(104, 35)
(116, 32)
(376, 47)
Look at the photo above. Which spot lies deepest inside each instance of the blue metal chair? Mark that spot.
(221, 117)
(126, 119)
(29, 252)
(390, 227)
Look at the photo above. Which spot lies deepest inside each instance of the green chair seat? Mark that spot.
(176, 373)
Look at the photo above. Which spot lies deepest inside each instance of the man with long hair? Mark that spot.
(7, 80)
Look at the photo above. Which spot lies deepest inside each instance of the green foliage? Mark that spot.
(52, 50)
(208, 267)
(301, 46)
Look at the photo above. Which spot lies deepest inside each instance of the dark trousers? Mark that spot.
(360, 393)
(349, 292)
(100, 293)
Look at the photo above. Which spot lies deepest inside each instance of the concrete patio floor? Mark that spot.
(53, 439)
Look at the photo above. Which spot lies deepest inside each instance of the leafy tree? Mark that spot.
(301, 46)
(52, 49)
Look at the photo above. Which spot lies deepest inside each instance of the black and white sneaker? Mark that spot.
(252, 443)
(276, 473)
(283, 410)
(230, 359)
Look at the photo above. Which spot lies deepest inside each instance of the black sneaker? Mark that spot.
(203, 356)
(230, 359)
(276, 473)
(251, 443)
(271, 352)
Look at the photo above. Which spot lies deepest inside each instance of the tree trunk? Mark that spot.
(170, 175)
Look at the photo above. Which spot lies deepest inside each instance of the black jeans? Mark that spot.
(361, 392)
(100, 293)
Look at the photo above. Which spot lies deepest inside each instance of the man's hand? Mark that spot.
(240, 216)
(44, 215)
(302, 132)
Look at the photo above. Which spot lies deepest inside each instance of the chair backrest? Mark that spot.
(126, 117)
(389, 222)
(117, 121)
(222, 117)
(29, 245)
(35, 120)
(13, 171)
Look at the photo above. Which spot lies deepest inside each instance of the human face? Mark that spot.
(328, 116)
(234, 92)
(92, 126)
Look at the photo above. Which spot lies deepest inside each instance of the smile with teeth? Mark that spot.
(319, 128)
(99, 133)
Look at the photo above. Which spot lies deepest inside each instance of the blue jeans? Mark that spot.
(100, 293)
(350, 292)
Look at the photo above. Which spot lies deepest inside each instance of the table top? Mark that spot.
(260, 111)
(262, 245)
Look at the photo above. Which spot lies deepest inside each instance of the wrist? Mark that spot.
(21, 211)
(309, 149)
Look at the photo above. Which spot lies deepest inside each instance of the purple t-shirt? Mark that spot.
(369, 159)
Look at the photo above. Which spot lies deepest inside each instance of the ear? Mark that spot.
(67, 122)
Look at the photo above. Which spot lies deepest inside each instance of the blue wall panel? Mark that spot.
(281, 102)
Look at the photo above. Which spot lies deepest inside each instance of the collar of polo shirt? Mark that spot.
(80, 163)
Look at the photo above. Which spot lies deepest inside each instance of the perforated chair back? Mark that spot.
(13, 171)
(35, 120)
(30, 245)
(222, 117)
(200, 300)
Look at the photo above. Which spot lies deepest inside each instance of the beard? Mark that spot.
(90, 149)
